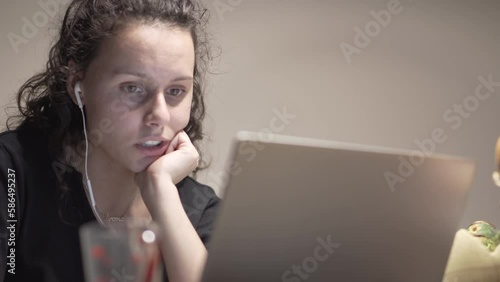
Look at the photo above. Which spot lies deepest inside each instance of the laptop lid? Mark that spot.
(298, 209)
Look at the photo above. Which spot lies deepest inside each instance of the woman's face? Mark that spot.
(138, 88)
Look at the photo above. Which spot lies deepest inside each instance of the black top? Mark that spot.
(43, 243)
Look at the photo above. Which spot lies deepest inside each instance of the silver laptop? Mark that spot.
(298, 209)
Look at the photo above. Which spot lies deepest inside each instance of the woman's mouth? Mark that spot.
(152, 148)
(151, 143)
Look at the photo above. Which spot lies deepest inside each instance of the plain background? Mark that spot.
(285, 55)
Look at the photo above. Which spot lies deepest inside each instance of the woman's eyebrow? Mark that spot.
(119, 71)
(183, 78)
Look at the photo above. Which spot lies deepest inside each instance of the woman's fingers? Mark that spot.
(173, 144)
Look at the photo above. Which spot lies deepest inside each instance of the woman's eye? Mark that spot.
(133, 89)
(175, 92)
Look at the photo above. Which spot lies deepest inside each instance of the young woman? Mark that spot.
(130, 72)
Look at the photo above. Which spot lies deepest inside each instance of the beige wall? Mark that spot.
(286, 54)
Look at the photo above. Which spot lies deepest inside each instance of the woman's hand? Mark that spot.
(180, 159)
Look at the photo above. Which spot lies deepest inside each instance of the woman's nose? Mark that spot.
(158, 113)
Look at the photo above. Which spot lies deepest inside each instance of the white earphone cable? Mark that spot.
(89, 186)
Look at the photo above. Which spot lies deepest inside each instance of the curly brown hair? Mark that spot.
(43, 100)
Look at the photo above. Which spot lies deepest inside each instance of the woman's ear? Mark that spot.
(72, 78)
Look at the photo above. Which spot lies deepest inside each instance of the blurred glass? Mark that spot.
(124, 251)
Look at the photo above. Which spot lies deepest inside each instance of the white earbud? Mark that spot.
(78, 91)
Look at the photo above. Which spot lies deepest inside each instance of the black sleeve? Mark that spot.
(207, 221)
(9, 215)
(201, 204)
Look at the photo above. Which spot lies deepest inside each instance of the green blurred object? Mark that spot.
(486, 232)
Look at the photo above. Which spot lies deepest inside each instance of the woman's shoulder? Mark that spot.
(9, 140)
(11, 146)
(23, 144)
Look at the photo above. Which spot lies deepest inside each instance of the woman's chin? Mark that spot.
(141, 165)
(138, 168)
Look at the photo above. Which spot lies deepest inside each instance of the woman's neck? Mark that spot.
(113, 185)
